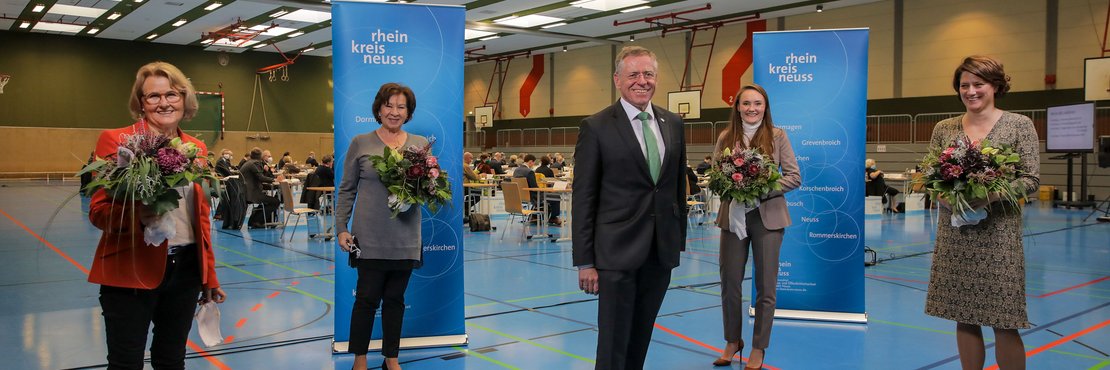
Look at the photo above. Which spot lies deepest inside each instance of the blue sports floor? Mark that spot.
(524, 310)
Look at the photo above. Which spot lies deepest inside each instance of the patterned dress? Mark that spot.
(978, 272)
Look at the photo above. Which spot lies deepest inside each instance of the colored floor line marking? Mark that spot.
(48, 244)
(278, 265)
(484, 357)
(1060, 341)
(522, 340)
(256, 307)
(274, 294)
(894, 278)
(215, 362)
(989, 340)
(229, 339)
(240, 323)
(1100, 365)
(261, 278)
(1095, 281)
(703, 345)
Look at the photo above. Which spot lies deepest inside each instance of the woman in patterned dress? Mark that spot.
(978, 271)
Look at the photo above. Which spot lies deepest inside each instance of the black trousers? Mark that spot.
(128, 314)
(375, 286)
(627, 306)
(271, 205)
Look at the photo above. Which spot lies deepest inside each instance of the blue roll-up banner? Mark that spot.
(817, 86)
(420, 46)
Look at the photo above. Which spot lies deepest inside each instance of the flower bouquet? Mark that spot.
(966, 171)
(744, 176)
(412, 176)
(147, 167)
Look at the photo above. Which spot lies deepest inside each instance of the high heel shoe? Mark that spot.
(722, 361)
(761, 362)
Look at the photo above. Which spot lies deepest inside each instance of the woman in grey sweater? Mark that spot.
(390, 247)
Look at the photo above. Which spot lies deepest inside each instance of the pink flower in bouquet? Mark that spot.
(171, 161)
(432, 161)
(950, 171)
(433, 173)
(736, 176)
(738, 161)
(415, 172)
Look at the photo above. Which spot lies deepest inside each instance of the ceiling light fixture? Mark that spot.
(213, 6)
(93, 31)
(259, 46)
(636, 8)
(38, 8)
(564, 48)
(114, 16)
(308, 50)
(632, 38)
(180, 22)
(295, 34)
(138, 1)
(511, 17)
(553, 25)
(820, 8)
(279, 13)
(152, 36)
(25, 25)
(489, 38)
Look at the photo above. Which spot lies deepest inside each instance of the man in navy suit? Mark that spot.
(629, 210)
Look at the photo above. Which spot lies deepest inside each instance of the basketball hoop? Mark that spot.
(4, 81)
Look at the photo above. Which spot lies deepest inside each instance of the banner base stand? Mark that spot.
(858, 318)
(410, 343)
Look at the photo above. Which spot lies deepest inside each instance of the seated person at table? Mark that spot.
(876, 185)
(484, 165)
(525, 171)
(311, 160)
(472, 195)
(692, 178)
(254, 176)
(246, 157)
(557, 162)
(705, 165)
(498, 163)
(325, 171)
(223, 165)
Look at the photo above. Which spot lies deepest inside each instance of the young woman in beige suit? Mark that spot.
(750, 125)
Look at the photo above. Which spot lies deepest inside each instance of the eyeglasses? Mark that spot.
(649, 75)
(155, 98)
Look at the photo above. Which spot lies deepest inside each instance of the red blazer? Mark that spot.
(122, 258)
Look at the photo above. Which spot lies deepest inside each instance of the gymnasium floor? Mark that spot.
(523, 307)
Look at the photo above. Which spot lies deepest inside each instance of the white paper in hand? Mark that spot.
(208, 324)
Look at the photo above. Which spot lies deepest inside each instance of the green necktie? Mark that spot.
(651, 145)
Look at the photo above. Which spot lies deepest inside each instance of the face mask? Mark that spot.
(270, 160)
(227, 156)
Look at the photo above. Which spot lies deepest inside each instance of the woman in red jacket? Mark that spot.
(142, 284)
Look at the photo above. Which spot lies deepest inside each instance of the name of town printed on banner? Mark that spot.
(817, 86)
(789, 70)
(373, 47)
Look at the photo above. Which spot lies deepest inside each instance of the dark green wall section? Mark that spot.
(67, 81)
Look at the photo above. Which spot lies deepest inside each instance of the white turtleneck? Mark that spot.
(749, 130)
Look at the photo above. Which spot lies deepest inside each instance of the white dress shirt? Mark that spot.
(637, 127)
